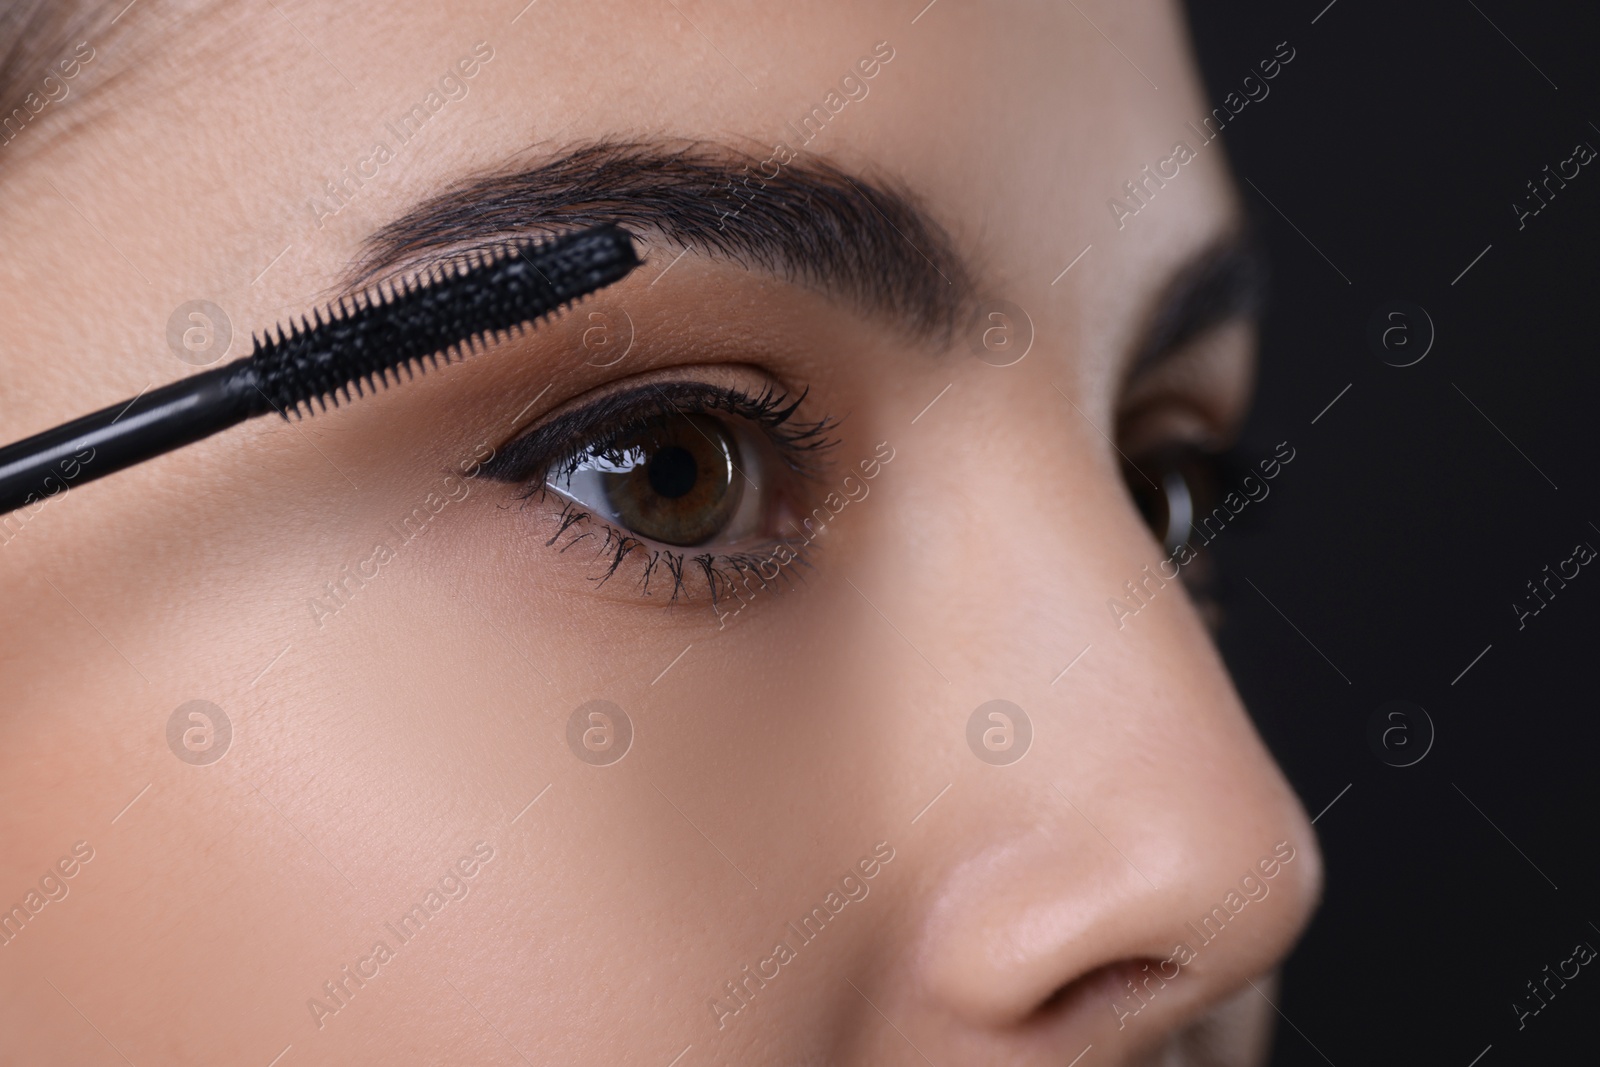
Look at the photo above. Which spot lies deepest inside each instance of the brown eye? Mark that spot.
(1177, 491)
(676, 480)
(1172, 488)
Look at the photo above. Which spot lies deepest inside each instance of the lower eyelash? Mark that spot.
(725, 574)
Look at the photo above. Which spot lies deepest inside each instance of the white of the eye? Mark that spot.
(1180, 510)
(614, 462)
(590, 464)
(585, 487)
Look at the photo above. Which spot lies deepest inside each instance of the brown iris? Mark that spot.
(676, 480)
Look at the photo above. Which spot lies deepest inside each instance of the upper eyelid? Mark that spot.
(1209, 377)
(532, 454)
(516, 461)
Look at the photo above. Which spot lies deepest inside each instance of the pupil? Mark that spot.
(673, 472)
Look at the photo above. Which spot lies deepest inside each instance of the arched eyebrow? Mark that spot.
(1225, 281)
(806, 221)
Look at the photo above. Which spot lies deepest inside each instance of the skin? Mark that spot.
(375, 749)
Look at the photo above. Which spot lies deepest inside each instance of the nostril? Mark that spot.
(1025, 933)
(1119, 988)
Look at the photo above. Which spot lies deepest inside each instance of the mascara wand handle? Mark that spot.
(39, 467)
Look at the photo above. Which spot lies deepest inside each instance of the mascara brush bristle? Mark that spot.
(361, 342)
(457, 308)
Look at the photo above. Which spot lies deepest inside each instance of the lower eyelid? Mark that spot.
(623, 567)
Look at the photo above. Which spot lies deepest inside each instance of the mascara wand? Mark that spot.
(360, 343)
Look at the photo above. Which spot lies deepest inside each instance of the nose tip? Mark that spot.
(1060, 922)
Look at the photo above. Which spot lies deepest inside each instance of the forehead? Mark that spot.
(308, 127)
(1002, 105)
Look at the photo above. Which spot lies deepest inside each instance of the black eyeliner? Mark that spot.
(360, 343)
(560, 441)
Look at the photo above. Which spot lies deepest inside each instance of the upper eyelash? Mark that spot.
(558, 445)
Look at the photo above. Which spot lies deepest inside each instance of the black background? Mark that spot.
(1408, 524)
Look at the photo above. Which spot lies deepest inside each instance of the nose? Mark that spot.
(1159, 861)
(1146, 862)
(1124, 908)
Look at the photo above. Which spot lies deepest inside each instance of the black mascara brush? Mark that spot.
(360, 343)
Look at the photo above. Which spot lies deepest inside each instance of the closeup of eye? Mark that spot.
(697, 484)
(679, 479)
(1172, 487)
(1179, 491)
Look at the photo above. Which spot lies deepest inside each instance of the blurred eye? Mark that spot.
(1171, 487)
(678, 479)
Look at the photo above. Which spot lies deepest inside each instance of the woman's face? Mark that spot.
(397, 829)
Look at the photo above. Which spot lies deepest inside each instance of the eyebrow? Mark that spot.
(811, 222)
(1226, 281)
(808, 222)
